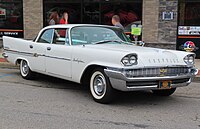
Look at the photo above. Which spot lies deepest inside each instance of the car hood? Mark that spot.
(122, 47)
(147, 56)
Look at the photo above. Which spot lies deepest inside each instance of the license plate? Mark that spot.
(165, 84)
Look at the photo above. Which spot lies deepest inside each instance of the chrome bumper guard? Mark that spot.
(120, 81)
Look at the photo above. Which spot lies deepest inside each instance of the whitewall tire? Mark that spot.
(25, 70)
(100, 87)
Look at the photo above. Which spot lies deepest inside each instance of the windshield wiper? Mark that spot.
(107, 41)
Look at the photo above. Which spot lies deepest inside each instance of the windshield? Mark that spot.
(94, 35)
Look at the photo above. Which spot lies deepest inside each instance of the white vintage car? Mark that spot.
(101, 57)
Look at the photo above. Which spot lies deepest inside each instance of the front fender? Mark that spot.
(79, 73)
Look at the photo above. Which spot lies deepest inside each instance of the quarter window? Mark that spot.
(46, 36)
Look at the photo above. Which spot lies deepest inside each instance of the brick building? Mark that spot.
(160, 19)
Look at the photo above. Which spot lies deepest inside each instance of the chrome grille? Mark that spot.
(156, 72)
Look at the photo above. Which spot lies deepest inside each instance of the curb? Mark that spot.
(7, 65)
(197, 78)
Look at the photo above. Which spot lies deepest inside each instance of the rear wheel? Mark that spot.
(25, 71)
(166, 92)
(100, 87)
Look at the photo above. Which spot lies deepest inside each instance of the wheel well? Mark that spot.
(18, 61)
(85, 79)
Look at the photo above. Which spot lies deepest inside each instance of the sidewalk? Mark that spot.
(1, 57)
(4, 63)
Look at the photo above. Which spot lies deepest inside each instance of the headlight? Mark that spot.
(133, 59)
(189, 59)
(129, 60)
(125, 60)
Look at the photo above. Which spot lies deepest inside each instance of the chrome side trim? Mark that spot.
(59, 58)
(19, 53)
(5, 47)
(35, 55)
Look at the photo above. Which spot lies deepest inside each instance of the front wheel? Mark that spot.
(166, 92)
(25, 71)
(100, 87)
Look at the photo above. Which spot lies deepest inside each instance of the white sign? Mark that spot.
(189, 30)
(167, 15)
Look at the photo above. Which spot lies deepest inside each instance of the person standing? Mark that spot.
(116, 22)
(54, 18)
(64, 19)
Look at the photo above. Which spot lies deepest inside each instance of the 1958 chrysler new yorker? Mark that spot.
(101, 57)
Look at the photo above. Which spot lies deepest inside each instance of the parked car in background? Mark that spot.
(101, 57)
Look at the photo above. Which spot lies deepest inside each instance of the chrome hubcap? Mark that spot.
(25, 67)
(99, 85)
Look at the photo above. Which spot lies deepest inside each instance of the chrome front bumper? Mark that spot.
(120, 82)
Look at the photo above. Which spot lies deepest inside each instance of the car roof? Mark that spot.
(77, 25)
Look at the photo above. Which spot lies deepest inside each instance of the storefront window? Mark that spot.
(189, 12)
(188, 38)
(96, 11)
(128, 12)
(11, 18)
(72, 7)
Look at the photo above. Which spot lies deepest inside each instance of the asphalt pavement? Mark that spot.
(50, 103)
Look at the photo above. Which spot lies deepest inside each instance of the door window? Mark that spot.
(60, 37)
(46, 36)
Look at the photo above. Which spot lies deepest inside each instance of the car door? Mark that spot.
(38, 48)
(58, 54)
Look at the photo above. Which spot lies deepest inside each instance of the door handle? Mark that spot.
(48, 48)
(31, 46)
